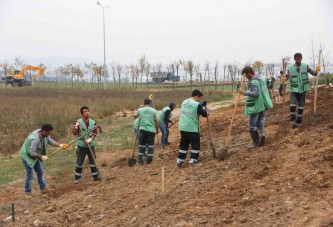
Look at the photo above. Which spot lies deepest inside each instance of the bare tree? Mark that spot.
(19, 62)
(313, 53)
(270, 69)
(232, 71)
(197, 72)
(147, 72)
(183, 63)
(119, 69)
(190, 70)
(207, 71)
(325, 58)
(134, 74)
(216, 73)
(286, 60)
(142, 64)
(78, 71)
(114, 71)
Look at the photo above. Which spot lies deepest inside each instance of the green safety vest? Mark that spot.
(147, 116)
(136, 123)
(299, 81)
(260, 103)
(83, 126)
(162, 113)
(189, 118)
(41, 147)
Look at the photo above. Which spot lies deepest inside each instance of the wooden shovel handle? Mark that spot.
(233, 115)
(316, 84)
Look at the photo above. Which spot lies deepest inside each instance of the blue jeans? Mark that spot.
(257, 122)
(30, 175)
(165, 133)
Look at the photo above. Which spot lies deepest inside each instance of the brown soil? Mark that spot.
(287, 182)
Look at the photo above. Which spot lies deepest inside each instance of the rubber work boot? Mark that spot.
(292, 119)
(255, 138)
(97, 178)
(180, 164)
(298, 121)
(194, 163)
(262, 141)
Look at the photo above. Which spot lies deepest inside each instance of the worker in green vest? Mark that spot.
(191, 109)
(299, 85)
(88, 127)
(148, 127)
(33, 153)
(164, 118)
(257, 103)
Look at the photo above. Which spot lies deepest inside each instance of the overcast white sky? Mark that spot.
(200, 30)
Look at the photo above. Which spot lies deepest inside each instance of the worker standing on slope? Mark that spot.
(257, 104)
(299, 85)
(191, 109)
(164, 118)
(33, 152)
(148, 127)
(85, 125)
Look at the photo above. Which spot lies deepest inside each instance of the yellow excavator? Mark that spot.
(17, 79)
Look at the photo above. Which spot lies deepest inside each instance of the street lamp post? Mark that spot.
(104, 65)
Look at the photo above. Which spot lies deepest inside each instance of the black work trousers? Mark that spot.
(81, 153)
(187, 139)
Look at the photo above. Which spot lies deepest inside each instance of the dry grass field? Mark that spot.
(25, 109)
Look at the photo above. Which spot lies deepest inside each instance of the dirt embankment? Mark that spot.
(288, 182)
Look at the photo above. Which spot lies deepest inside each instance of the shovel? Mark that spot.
(210, 137)
(91, 152)
(57, 151)
(224, 150)
(173, 123)
(132, 160)
(313, 119)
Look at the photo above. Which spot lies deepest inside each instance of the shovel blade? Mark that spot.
(131, 162)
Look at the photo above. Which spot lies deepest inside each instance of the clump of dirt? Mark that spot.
(287, 182)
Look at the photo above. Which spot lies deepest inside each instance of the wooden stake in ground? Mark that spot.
(162, 178)
(316, 84)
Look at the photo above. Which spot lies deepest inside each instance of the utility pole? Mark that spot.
(104, 65)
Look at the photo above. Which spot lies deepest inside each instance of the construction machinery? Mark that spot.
(17, 79)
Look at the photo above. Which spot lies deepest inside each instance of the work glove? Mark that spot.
(44, 157)
(63, 146)
(204, 103)
(77, 125)
(88, 141)
(208, 113)
(283, 79)
(318, 68)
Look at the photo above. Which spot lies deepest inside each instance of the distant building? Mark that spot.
(160, 77)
